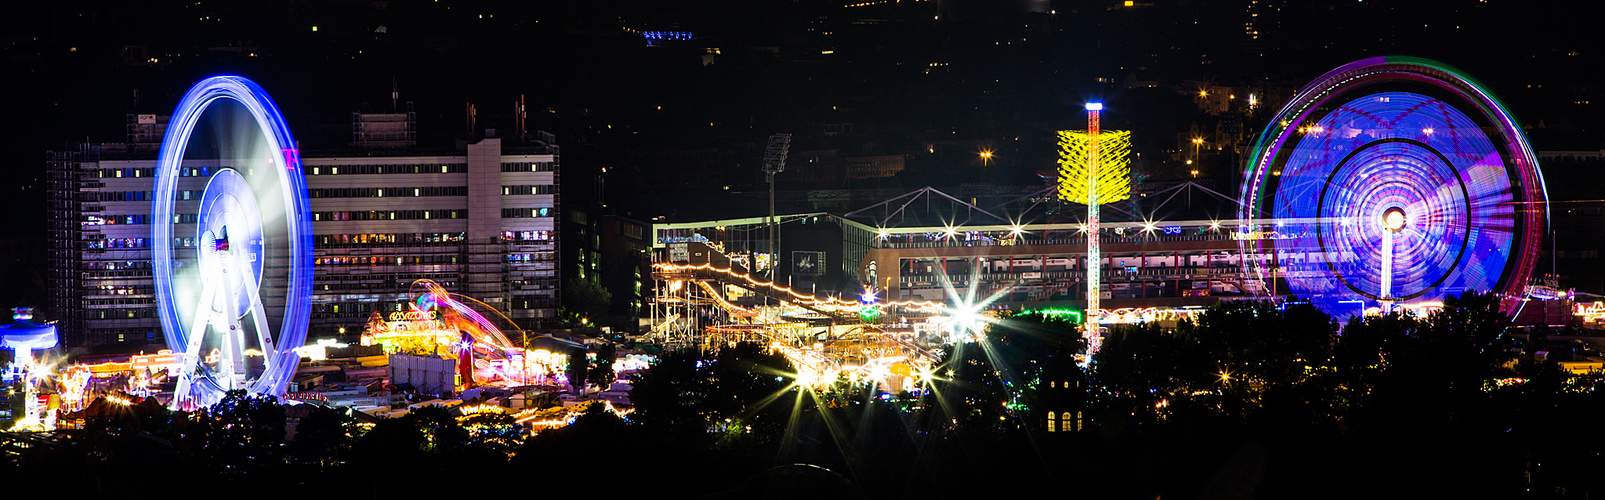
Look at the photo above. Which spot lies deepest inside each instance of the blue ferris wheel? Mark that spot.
(1391, 181)
(232, 227)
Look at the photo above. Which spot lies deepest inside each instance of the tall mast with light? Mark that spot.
(1094, 252)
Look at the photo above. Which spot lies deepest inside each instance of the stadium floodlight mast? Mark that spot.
(233, 292)
(774, 162)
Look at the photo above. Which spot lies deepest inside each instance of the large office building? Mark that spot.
(479, 220)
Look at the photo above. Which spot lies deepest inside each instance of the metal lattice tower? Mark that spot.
(774, 162)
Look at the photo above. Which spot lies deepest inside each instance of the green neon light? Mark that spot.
(869, 313)
(1073, 315)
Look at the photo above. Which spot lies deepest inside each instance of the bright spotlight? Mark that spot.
(1094, 106)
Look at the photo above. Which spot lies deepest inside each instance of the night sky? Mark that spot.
(1002, 75)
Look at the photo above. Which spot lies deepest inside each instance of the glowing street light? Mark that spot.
(986, 157)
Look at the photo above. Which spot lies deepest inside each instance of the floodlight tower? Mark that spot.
(1094, 252)
(774, 162)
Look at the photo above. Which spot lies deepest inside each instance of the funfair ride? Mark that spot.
(438, 321)
(23, 337)
(826, 338)
(233, 266)
(1392, 181)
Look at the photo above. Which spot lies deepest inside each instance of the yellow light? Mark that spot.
(1203, 93)
(1114, 165)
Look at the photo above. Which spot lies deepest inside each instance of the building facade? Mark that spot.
(480, 221)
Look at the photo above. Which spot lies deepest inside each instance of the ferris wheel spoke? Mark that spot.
(264, 335)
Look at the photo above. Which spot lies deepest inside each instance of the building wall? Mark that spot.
(480, 224)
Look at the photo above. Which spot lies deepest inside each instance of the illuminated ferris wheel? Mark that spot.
(1391, 181)
(233, 259)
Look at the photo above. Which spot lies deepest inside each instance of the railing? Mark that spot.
(1107, 239)
(1114, 273)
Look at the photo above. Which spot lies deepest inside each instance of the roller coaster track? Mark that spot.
(841, 314)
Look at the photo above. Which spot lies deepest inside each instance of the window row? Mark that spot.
(388, 239)
(114, 173)
(541, 189)
(390, 215)
(121, 290)
(377, 260)
(520, 213)
(544, 166)
(111, 243)
(124, 196)
(1066, 422)
(126, 172)
(529, 257)
(527, 235)
(118, 264)
(117, 220)
(450, 168)
(375, 192)
(122, 302)
(188, 194)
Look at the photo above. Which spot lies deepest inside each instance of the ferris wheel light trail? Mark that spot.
(251, 250)
(1390, 180)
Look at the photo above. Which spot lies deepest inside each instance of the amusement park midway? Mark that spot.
(625, 253)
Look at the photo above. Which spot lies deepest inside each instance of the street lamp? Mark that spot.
(986, 157)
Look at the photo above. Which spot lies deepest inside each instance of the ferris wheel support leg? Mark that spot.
(264, 336)
(1387, 271)
(192, 350)
(233, 341)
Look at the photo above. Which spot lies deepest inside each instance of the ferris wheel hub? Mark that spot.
(1393, 219)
